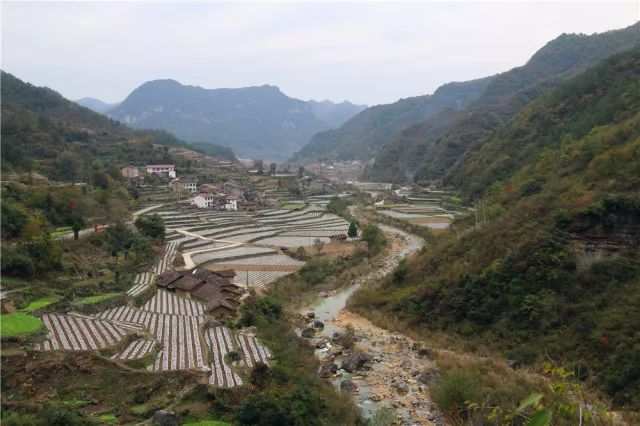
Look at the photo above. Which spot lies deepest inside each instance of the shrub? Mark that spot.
(454, 389)
(151, 226)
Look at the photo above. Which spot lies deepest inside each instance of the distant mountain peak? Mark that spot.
(256, 121)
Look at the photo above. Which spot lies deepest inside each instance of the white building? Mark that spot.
(162, 169)
(203, 200)
(231, 203)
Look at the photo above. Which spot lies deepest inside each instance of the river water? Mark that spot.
(326, 309)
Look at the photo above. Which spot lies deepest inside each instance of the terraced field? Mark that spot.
(79, 333)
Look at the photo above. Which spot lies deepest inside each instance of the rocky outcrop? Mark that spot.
(166, 418)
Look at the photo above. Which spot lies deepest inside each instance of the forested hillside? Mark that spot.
(552, 268)
(361, 137)
(46, 133)
(435, 144)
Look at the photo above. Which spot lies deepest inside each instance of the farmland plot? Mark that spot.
(181, 346)
(258, 279)
(166, 261)
(291, 241)
(230, 254)
(164, 302)
(253, 351)
(136, 350)
(272, 259)
(79, 333)
(140, 284)
(220, 343)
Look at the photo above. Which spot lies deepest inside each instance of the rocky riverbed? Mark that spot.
(377, 367)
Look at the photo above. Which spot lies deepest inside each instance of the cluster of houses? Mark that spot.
(133, 172)
(215, 289)
(229, 195)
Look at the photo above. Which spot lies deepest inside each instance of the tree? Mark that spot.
(259, 165)
(352, 232)
(300, 171)
(374, 237)
(151, 226)
(14, 219)
(318, 244)
(272, 168)
(77, 223)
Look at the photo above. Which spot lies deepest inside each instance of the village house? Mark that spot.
(203, 200)
(231, 203)
(130, 172)
(210, 187)
(162, 169)
(181, 184)
(214, 289)
(271, 202)
(319, 185)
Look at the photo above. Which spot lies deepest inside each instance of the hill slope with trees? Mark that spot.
(430, 149)
(552, 268)
(44, 132)
(361, 137)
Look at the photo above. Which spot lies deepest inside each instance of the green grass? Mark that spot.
(41, 303)
(61, 231)
(90, 300)
(292, 206)
(207, 423)
(19, 324)
(111, 418)
(88, 283)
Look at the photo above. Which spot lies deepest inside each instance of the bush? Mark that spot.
(17, 264)
(374, 237)
(454, 389)
(151, 226)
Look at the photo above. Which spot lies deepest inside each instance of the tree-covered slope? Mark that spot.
(46, 133)
(553, 266)
(505, 95)
(361, 137)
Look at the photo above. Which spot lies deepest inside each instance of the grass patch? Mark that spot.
(291, 206)
(19, 324)
(61, 231)
(41, 303)
(207, 423)
(111, 418)
(90, 300)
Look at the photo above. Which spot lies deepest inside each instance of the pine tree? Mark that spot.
(353, 230)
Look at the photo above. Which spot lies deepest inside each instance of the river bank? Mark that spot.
(380, 369)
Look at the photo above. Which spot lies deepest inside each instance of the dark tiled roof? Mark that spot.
(166, 278)
(187, 283)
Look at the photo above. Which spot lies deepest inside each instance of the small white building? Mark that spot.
(162, 169)
(203, 200)
(231, 203)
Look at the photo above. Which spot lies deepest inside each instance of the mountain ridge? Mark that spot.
(257, 121)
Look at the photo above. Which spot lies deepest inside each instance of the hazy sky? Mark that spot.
(365, 52)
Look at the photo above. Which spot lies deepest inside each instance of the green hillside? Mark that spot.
(361, 137)
(44, 132)
(438, 142)
(553, 266)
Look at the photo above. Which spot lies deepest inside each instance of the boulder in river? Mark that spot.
(308, 332)
(327, 369)
(348, 386)
(401, 387)
(355, 361)
(318, 325)
(311, 315)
